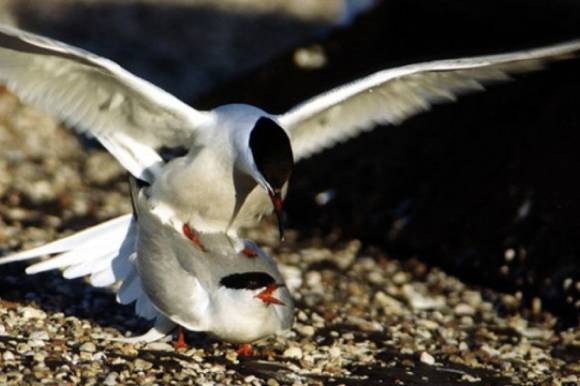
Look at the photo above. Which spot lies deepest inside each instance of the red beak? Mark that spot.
(276, 198)
(266, 295)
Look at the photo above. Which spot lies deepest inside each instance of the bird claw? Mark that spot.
(191, 235)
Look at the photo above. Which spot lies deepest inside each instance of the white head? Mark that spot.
(249, 306)
(263, 149)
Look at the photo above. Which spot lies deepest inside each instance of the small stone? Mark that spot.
(466, 321)
(293, 352)
(22, 348)
(8, 356)
(32, 313)
(88, 347)
(427, 358)
(39, 357)
(159, 346)
(429, 324)
(250, 379)
(464, 309)
(39, 335)
(401, 278)
(141, 364)
(307, 331)
(536, 305)
(36, 343)
(335, 352)
(392, 306)
(375, 277)
(310, 58)
(470, 378)
(571, 379)
(272, 382)
(301, 316)
(111, 379)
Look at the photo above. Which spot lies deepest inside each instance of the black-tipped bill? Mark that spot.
(276, 198)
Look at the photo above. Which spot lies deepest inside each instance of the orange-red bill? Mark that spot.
(276, 198)
(267, 297)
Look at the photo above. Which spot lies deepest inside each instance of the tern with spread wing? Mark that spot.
(218, 290)
(237, 158)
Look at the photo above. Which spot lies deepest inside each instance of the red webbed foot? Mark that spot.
(245, 350)
(180, 342)
(190, 234)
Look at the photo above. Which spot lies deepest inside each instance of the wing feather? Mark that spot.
(393, 95)
(96, 96)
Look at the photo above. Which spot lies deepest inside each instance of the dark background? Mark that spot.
(447, 186)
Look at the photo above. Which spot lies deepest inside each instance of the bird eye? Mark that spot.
(247, 280)
(272, 152)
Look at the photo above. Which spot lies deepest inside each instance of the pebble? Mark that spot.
(249, 379)
(111, 379)
(88, 347)
(335, 352)
(272, 382)
(141, 364)
(22, 348)
(39, 335)
(427, 358)
(464, 309)
(293, 352)
(159, 346)
(36, 343)
(391, 305)
(470, 378)
(8, 356)
(32, 313)
(306, 330)
(422, 302)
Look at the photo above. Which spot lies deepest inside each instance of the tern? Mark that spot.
(218, 290)
(232, 163)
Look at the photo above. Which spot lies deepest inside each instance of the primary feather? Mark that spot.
(393, 95)
(130, 116)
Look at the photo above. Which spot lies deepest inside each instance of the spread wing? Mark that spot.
(391, 96)
(130, 116)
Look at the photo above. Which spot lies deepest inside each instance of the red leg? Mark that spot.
(180, 342)
(190, 234)
(249, 252)
(245, 350)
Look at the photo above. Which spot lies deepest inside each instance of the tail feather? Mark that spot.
(130, 290)
(104, 278)
(94, 263)
(88, 237)
(106, 253)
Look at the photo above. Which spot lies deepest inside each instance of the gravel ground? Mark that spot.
(363, 317)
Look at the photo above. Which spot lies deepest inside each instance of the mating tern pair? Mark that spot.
(237, 158)
(218, 290)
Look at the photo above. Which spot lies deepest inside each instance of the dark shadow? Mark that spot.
(448, 185)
